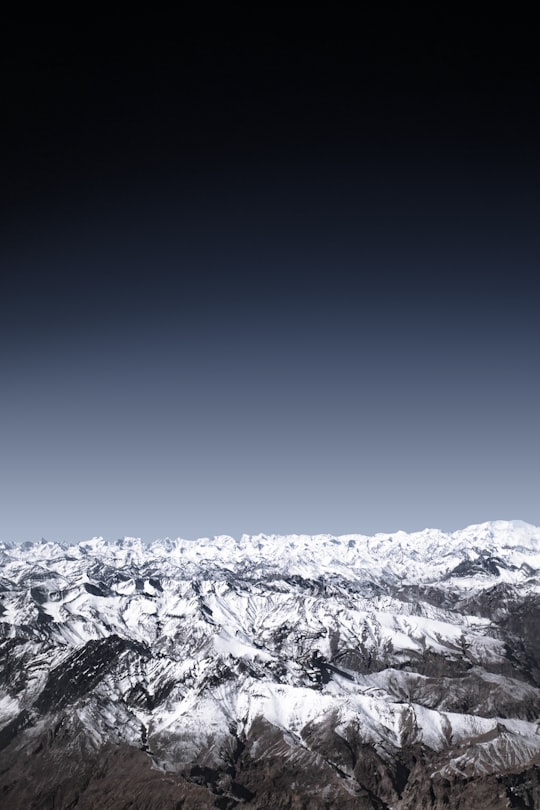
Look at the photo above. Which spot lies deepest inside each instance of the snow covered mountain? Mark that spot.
(396, 671)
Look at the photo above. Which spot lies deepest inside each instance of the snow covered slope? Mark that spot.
(395, 671)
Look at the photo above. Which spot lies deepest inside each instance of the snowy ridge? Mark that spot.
(429, 553)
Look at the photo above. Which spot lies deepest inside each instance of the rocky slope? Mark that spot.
(396, 671)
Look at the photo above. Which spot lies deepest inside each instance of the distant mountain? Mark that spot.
(396, 672)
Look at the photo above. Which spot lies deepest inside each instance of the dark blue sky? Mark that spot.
(279, 282)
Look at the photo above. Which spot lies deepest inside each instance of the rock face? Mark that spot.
(386, 672)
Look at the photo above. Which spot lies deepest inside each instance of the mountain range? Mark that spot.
(392, 672)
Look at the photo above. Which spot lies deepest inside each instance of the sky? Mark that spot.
(275, 279)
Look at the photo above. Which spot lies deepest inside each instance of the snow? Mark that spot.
(229, 645)
(9, 708)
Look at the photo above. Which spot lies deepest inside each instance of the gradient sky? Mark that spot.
(277, 282)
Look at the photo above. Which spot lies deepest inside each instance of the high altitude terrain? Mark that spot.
(396, 671)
